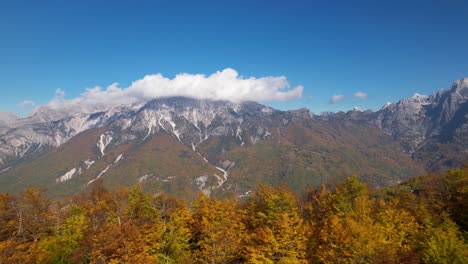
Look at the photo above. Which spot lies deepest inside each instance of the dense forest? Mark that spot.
(424, 220)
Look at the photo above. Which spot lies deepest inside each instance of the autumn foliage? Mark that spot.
(421, 221)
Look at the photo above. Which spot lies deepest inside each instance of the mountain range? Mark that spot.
(182, 145)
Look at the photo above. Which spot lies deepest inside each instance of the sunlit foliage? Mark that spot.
(421, 221)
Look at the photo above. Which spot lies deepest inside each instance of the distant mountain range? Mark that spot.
(433, 129)
(183, 145)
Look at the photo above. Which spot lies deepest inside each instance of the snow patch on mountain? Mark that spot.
(239, 135)
(245, 195)
(387, 104)
(23, 149)
(88, 163)
(225, 176)
(198, 153)
(67, 176)
(357, 109)
(200, 183)
(120, 157)
(144, 177)
(167, 179)
(104, 141)
(6, 169)
(103, 171)
(204, 116)
(100, 174)
(267, 110)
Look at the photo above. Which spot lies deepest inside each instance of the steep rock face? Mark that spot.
(449, 113)
(405, 119)
(47, 128)
(433, 129)
(422, 117)
(192, 121)
(283, 147)
(25, 138)
(182, 145)
(128, 132)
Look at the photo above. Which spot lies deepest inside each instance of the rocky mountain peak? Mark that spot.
(357, 109)
(461, 84)
(416, 100)
(387, 104)
(417, 96)
(460, 89)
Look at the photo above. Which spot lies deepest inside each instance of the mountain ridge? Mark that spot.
(303, 148)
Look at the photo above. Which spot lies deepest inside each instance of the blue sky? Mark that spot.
(386, 49)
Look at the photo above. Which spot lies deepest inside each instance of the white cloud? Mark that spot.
(59, 98)
(222, 85)
(26, 104)
(336, 98)
(360, 95)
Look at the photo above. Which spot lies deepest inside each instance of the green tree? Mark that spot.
(59, 247)
(275, 227)
(176, 233)
(444, 245)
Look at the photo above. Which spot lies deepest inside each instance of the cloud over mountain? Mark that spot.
(336, 98)
(360, 95)
(26, 104)
(222, 85)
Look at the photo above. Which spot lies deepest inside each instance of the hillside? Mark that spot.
(183, 145)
